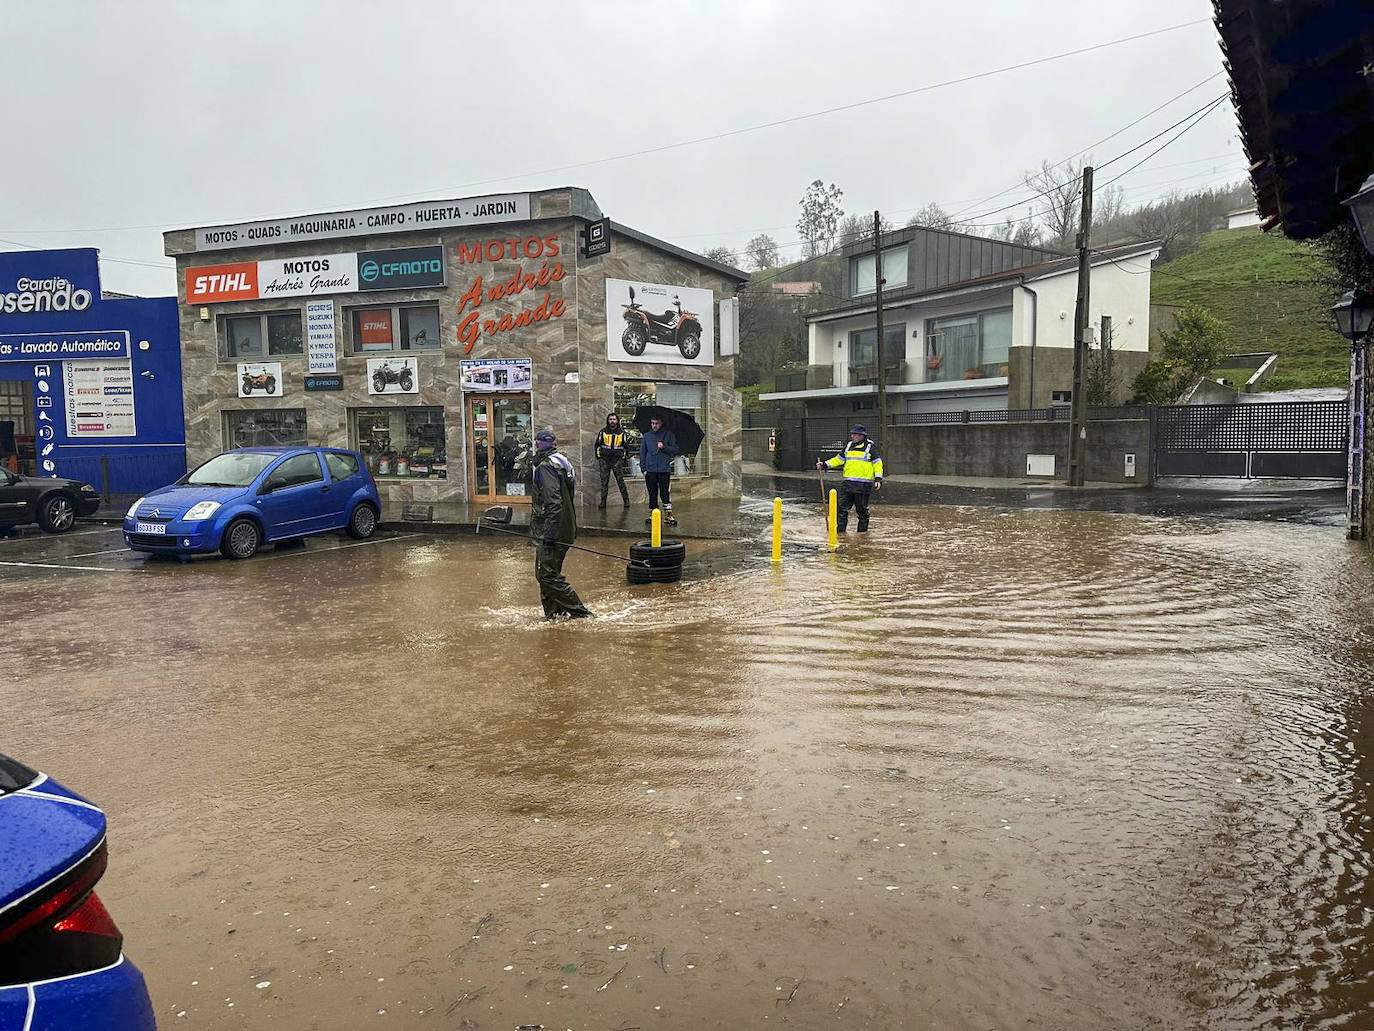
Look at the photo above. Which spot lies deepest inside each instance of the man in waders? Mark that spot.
(863, 474)
(610, 454)
(553, 525)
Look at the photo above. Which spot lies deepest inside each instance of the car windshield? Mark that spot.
(235, 469)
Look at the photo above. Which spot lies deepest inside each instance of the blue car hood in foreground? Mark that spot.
(44, 830)
(188, 495)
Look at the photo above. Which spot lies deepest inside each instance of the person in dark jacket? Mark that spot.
(610, 455)
(553, 525)
(656, 453)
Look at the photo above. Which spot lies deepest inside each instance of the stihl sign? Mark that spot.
(213, 283)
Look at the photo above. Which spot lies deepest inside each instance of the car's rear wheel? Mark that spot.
(363, 522)
(241, 539)
(56, 513)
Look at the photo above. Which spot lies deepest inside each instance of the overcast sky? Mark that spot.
(124, 119)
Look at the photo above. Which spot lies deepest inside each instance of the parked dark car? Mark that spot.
(52, 503)
(62, 962)
(239, 500)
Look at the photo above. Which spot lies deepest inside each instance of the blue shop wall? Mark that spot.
(155, 453)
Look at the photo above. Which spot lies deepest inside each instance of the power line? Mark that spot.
(1210, 108)
(122, 261)
(731, 132)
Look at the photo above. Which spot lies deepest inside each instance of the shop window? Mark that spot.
(685, 397)
(244, 335)
(403, 443)
(265, 427)
(411, 327)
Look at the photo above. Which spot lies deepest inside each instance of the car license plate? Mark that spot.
(159, 528)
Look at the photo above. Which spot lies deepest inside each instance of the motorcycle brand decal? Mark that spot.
(405, 268)
(320, 352)
(659, 324)
(211, 283)
(374, 326)
(392, 376)
(260, 378)
(473, 325)
(511, 249)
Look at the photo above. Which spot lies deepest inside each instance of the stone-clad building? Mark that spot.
(435, 338)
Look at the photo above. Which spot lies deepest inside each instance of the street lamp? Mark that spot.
(1354, 313)
(1362, 211)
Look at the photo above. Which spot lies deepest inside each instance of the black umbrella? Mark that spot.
(682, 426)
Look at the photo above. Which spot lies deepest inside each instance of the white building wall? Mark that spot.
(1120, 289)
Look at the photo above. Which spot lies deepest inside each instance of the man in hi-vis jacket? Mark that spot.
(863, 474)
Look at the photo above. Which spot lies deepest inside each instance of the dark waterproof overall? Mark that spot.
(553, 525)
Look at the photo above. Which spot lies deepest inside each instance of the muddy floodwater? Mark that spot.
(983, 769)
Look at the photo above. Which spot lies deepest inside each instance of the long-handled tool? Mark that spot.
(502, 514)
(825, 509)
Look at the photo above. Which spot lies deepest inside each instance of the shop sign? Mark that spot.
(406, 268)
(28, 347)
(473, 325)
(314, 383)
(398, 218)
(54, 293)
(283, 277)
(496, 374)
(320, 350)
(100, 398)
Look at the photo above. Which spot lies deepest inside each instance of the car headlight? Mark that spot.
(204, 510)
(134, 508)
(86, 488)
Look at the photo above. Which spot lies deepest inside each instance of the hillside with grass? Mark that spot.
(1270, 292)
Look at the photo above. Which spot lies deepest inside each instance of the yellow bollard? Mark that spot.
(834, 506)
(657, 535)
(777, 529)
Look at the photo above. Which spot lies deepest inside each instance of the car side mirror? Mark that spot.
(271, 484)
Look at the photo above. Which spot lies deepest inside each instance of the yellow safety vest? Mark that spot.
(860, 464)
(609, 441)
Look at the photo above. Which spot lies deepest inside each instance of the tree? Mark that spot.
(932, 216)
(1167, 221)
(860, 227)
(820, 217)
(762, 252)
(1024, 233)
(772, 333)
(1191, 350)
(1349, 262)
(1058, 207)
(724, 255)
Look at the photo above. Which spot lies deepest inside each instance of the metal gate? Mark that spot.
(1292, 439)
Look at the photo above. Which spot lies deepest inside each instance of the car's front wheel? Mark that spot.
(241, 539)
(56, 513)
(363, 522)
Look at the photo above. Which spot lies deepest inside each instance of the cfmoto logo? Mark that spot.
(369, 271)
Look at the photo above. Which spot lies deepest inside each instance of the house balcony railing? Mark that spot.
(813, 377)
(867, 375)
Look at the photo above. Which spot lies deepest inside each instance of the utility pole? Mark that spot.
(878, 347)
(1078, 418)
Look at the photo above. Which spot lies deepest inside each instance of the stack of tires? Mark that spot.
(650, 565)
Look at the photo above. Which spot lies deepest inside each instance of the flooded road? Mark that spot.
(983, 769)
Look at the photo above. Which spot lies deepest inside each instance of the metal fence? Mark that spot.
(1055, 414)
(1300, 439)
(752, 418)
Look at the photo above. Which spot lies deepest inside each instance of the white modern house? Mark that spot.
(968, 324)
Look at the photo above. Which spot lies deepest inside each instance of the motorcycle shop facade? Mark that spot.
(436, 338)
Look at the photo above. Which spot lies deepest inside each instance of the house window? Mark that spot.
(244, 335)
(412, 327)
(685, 397)
(865, 404)
(861, 278)
(968, 346)
(265, 427)
(863, 358)
(403, 443)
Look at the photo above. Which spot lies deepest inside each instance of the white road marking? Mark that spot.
(55, 565)
(93, 554)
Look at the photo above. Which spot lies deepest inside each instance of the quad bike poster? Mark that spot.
(665, 325)
(258, 378)
(392, 376)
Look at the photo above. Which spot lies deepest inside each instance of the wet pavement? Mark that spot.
(984, 768)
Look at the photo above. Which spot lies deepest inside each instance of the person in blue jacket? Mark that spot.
(656, 453)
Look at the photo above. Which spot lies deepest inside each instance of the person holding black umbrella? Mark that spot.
(657, 450)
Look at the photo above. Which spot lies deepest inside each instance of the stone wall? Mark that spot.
(1054, 371)
(999, 449)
